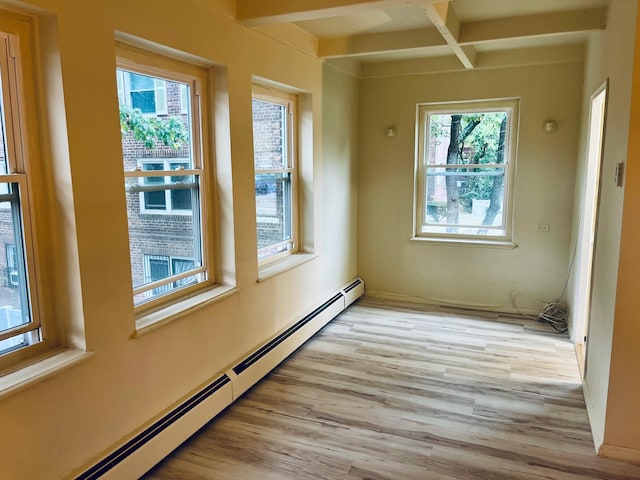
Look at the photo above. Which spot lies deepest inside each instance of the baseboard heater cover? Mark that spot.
(123, 463)
(265, 349)
(353, 285)
(121, 454)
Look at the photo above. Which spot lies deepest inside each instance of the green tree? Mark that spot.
(461, 127)
(149, 130)
(497, 186)
(474, 139)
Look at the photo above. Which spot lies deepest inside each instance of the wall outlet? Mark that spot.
(542, 227)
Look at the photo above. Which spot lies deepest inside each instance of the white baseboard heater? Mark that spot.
(132, 459)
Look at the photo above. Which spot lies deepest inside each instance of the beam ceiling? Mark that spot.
(443, 30)
(260, 12)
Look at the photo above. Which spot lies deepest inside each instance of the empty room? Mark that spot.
(337, 239)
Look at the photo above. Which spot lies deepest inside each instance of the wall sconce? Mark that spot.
(391, 132)
(550, 126)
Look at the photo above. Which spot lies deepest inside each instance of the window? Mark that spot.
(165, 179)
(173, 201)
(142, 92)
(159, 267)
(465, 165)
(274, 147)
(21, 327)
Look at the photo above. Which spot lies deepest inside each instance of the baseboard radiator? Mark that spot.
(135, 457)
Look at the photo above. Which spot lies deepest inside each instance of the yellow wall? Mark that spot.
(622, 427)
(64, 422)
(609, 56)
(469, 275)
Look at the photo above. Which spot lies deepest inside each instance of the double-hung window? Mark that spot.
(274, 146)
(21, 326)
(143, 92)
(165, 179)
(464, 170)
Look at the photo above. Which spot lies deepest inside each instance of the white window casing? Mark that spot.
(433, 175)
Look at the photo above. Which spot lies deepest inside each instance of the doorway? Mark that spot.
(585, 247)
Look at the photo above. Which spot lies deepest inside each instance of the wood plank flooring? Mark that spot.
(392, 391)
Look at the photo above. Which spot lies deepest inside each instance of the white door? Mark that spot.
(589, 215)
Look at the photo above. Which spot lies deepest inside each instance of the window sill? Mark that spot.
(464, 242)
(42, 369)
(279, 266)
(150, 321)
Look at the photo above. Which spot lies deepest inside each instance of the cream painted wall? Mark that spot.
(340, 132)
(622, 426)
(62, 424)
(468, 275)
(609, 55)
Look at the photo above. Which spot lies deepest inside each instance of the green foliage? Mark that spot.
(484, 143)
(479, 147)
(485, 139)
(149, 130)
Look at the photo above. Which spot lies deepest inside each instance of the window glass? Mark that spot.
(275, 175)
(15, 308)
(163, 182)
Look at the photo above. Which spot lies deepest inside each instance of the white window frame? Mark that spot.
(290, 101)
(169, 209)
(170, 267)
(134, 60)
(159, 93)
(424, 113)
(14, 78)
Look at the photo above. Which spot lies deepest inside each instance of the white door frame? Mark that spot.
(585, 246)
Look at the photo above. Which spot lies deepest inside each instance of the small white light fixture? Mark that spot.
(550, 126)
(391, 132)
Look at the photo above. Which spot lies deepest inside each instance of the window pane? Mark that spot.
(164, 131)
(479, 138)
(465, 196)
(178, 235)
(14, 302)
(273, 209)
(269, 135)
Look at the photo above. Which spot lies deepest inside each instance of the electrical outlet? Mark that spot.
(542, 227)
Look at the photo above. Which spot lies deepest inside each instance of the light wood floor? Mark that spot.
(395, 391)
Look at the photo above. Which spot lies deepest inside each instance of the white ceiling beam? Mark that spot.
(486, 60)
(445, 19)
(261, 12)
(522, 57)
(418, 66)
(532, 25)
(379, 42)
